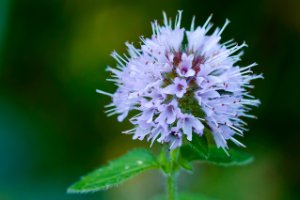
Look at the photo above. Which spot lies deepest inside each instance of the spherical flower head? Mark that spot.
(182, 82)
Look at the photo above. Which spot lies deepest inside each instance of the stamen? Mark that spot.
(207, 21)
(178, 19)
(237, 142)
(193, 24)
(224, 26)
(102, 92)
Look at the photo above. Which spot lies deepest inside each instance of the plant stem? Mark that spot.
(171, 175)
(172, 189)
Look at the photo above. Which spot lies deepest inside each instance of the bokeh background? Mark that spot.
(53, 128)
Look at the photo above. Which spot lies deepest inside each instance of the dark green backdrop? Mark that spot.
(53, 129)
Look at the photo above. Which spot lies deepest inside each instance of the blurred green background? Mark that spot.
(53, 56)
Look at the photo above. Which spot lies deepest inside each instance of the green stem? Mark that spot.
(171, 175)
(172, 189)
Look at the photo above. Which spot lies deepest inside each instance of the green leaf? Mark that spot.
(116, 172)
(199, 145)
(236, 157)
(185, 164)
(186, 196)
(217, 156)
(162, 160)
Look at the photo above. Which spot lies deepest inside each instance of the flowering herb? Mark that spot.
(166, 76)
(184, 84)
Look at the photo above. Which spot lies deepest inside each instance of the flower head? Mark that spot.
(180, 88)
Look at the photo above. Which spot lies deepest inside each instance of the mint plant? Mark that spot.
(190, 95)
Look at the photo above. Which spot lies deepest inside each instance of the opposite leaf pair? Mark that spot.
(141, 160)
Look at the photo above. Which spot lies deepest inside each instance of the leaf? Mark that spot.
(186, 196)
(162, 160)
(236, 157)
(199, 145)
(217, 156)
(185, 164)
(116, 172)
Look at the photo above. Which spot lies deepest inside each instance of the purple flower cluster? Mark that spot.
(180, 82)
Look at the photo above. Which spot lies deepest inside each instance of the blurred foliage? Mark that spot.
(53, 129)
